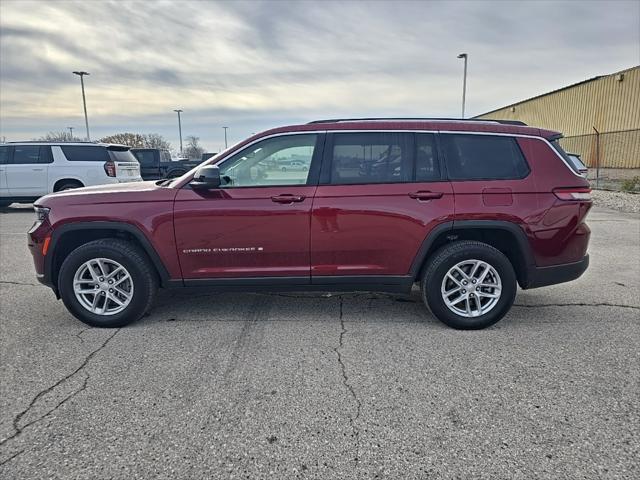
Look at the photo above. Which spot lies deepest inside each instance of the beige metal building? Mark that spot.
(608, 104)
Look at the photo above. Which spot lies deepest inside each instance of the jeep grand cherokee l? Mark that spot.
(466, 209)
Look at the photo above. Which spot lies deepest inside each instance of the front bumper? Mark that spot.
(543, 276)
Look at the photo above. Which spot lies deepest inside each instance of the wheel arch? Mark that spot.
(61, 181)
(68, 237)
(507, 237)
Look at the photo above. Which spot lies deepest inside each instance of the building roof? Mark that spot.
(558, 90)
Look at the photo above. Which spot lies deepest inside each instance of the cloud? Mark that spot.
(252, 65)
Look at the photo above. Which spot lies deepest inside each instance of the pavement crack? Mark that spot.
(9, 282)
(578, 304)
(345, 380)
(16, 421)
(13, 456)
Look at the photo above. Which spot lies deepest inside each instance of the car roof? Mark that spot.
(419, 124)
(82, 144)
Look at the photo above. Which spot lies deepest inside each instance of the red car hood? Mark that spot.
(111, 193)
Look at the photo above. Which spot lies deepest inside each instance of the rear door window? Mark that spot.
(26, 154)
(77, 153)
(483, 157)
(371, 157)
(145, 157)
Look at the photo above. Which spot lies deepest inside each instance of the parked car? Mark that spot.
(156, 163)
(288, 166)
(468, 211)
(29, 170)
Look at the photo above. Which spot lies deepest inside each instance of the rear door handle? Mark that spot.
(287, 198)
(425, 195)
(37, 169)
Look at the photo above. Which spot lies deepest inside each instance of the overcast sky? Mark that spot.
(255, 65)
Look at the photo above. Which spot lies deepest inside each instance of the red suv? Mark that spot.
(466, 209)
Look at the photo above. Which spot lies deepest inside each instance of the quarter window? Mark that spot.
(284, 160)
(76, 153)
(483, 157)
(371, 157)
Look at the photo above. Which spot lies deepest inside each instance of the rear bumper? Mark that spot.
(543, 276)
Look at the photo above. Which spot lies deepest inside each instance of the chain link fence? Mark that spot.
(613, 158)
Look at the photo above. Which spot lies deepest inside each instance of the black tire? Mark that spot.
(68, 186)
(134, 260)
(284, 169)
(450, 255)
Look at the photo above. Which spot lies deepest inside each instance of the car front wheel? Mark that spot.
(107, 283)
(469, 285)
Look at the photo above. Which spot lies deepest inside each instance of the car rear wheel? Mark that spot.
(107, 283)
(69, 185)
(469, 285)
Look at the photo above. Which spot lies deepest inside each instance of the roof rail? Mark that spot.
(338, 120)
(53, 141)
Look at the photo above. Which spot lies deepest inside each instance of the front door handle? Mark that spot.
(287, 198)
(37, 169)
(423, 195)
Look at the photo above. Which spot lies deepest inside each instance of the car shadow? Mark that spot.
(213, 306)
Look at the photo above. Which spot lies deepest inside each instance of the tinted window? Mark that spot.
(122, 156)
(145, 158)
(282, 160)
(85, 153)
(483, 157)
(26, 154)
(4, 155)
(427, 166)
(374, 157)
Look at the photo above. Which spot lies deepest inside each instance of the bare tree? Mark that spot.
(137, 140)
(61, 136)
(155, 140)
(193, 148)
(134, 140)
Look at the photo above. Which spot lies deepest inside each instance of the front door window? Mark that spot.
(276, 161)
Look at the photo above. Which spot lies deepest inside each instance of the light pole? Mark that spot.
(178, 111)
(71, 132)
(84, 101)
(225, 137)
(464, 80)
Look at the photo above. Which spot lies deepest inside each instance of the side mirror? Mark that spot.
(206, 178)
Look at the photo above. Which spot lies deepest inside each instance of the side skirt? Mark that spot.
(364, 283)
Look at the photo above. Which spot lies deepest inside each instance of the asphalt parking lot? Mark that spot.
(325, 386)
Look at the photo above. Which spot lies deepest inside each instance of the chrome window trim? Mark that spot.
(374, 130)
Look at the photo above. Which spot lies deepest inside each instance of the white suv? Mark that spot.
(29, 170)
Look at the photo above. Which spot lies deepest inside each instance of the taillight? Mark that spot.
(110, 168)
(580, 194)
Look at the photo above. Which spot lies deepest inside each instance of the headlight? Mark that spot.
(41, 213)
